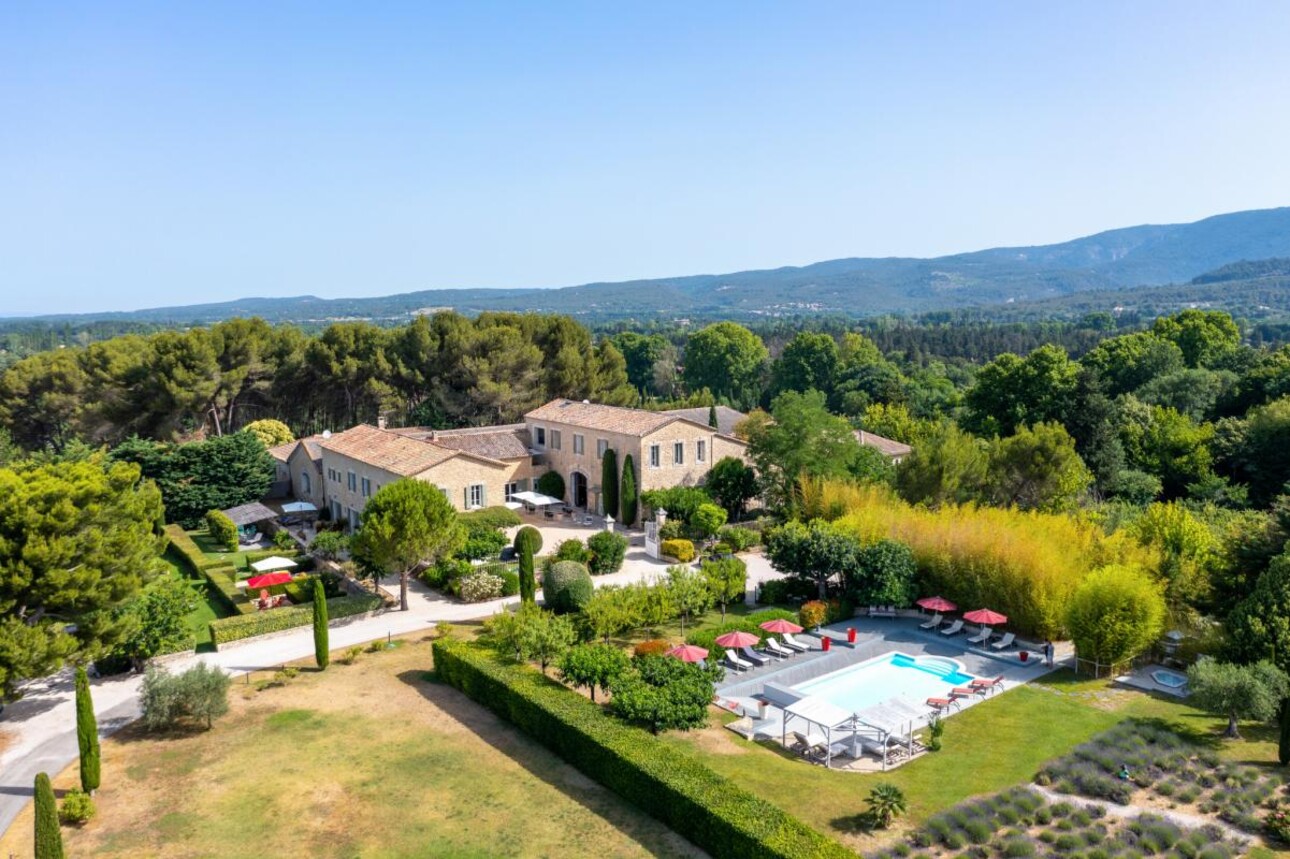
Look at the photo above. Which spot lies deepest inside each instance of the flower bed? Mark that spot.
(1020, 823)
(1163, 765)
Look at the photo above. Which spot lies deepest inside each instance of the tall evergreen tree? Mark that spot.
(712, 416)
(1283, 748)
(49, 840)
(528, 581)
(609, 482)
(627, 501)
(87, 733)
(322, 651)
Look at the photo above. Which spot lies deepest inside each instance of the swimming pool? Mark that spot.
(893, 675)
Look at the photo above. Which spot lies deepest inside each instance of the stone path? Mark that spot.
(1178, 818)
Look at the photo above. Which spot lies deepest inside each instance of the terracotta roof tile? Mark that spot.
(507, 441)
(606, 418)
(387, 450)
(726, 417)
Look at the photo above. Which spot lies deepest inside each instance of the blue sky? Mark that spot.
(175, 153)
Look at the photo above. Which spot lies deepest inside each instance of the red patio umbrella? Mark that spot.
(737, 639)
(688, 653)
(937, 604)
(268, 579)
(781, 626)
(986, 617)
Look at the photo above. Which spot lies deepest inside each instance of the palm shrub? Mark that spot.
(627, 492)
(87, 733)
(222, 530)
(566, 587)
(322, 651)
(49, 839)
(886, 803)
(609, 482)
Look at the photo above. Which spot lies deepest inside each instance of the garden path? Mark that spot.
(1178, 818)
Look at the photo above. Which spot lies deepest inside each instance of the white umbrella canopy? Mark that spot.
(299, 507)
(537, 499)
(274, 563)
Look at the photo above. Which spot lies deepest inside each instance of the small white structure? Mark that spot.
(274, 563)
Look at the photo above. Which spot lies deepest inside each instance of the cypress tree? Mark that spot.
(528, 581)
(609, 482)
(322, 652)
(628, 492)
(87, 733)
(712, 416)
(1283, 749)
(49, 840)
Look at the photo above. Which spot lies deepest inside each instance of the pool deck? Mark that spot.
(744, 692)
(1140, 678)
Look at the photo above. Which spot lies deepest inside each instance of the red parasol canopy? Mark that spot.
(937, 604)
(688, 653)
(781, 626)
(737, 639)
(985, 616)
(268, 579)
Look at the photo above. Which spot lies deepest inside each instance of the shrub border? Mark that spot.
(710, 810)
(238, 627)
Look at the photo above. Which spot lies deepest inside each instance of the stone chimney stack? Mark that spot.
(380, 421)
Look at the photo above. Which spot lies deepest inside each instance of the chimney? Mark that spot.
(380, 421)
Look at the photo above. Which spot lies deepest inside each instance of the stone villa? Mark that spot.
(485, 466)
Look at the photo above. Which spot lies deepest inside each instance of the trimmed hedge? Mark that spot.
(712, 811)
(682, 550)
(197, 560)
(224, 581)
(275, 620)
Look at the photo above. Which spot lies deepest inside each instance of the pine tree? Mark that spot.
(528, 581)
(609, 482)
(87, 734)
(712, 416)
(1283, 749)
(322, 652)
(49, 840)
(628, 492)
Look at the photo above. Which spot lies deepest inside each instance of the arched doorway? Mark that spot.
(578, 489)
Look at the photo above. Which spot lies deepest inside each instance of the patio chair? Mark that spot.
(786, 641)
(953, 629)
(733, 660)
(981, 637)
(1005, 642)
(940, 705)
(968, 691)
(773, 645)
(885, 753)
(753, 656)
(793, 641)
(935, 621)
(987, 682)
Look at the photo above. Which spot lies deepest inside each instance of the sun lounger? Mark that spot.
(793, 641)
(933, 623)
(773, 645)
(786, 641)
(940, 705)
(753, 656)
(733, 660)
(967, 691)
(987, 682)
(981, 637)
(1005, 642)
(953, 629)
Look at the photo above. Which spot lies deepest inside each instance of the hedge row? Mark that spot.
(710, 810)
(229, 629)
(197, 561)
(224, 581)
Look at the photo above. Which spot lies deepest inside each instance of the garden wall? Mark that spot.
(710, 810)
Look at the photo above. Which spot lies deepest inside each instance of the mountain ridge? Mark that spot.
(1126, 257)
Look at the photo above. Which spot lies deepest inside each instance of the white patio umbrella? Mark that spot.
(299, 507)
(274, 563)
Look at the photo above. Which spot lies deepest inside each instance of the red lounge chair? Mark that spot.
(983, 683)
(942, 704)
(966, 691)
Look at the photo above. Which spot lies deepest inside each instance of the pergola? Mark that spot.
(891, 722)
(818, 712)
(249, 514)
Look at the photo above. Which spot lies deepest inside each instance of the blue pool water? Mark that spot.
(896, 675)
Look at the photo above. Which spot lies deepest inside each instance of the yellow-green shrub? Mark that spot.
(682, 550)
(1024, 564)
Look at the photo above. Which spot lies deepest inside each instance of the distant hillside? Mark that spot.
(1113, 260)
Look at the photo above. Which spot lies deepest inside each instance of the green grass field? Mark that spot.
(209, 605)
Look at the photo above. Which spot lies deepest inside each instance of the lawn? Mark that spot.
(370, 759)
(209, 605)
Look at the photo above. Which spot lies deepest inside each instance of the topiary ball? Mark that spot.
(566, 587)
(532, 536)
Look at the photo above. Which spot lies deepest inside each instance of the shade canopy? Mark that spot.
(937, 604)
(985, 616)
(737, 638)
(268, 580)
(537, 499)
(299, 507)
(249, 514)
(817, 710)
(274, 563)
(781, 626)
(688, 653)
